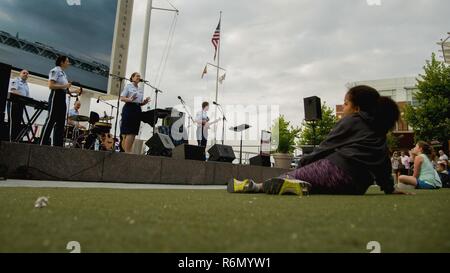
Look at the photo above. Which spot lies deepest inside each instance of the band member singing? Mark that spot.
(18, 86)
(60, 87)
(133, 96)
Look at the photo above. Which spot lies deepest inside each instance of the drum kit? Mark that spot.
(97, 137)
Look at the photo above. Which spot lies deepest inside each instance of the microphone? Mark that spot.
(215, 103)
(180, 98)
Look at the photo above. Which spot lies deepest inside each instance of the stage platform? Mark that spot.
(59, 164)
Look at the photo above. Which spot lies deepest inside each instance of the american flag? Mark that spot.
(216, 39)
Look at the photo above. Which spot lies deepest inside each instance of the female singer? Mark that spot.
(133, 96)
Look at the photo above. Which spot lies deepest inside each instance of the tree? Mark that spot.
(430, 118)
(323, 128)
(392, 142)
(285, 135)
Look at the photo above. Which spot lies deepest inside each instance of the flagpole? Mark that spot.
(144, 54)
(217, 78)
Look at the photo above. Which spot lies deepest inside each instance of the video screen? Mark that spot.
(34, 33)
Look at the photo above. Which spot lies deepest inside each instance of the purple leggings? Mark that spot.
(327, 178)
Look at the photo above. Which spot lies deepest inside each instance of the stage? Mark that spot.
(35, 162)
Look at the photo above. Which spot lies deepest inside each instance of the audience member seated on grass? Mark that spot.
(425, 177)
(352, 157)
(443, 174)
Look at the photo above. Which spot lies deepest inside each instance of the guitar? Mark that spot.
(206, 121)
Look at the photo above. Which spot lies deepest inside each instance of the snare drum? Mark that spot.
(102, 128)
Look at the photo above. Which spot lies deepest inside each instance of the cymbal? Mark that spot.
(106, 118)
(79, 118)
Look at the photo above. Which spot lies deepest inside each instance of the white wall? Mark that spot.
(397, 88)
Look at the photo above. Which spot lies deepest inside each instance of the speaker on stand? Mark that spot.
(313, 113)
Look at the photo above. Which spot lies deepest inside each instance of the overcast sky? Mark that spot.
(278, 52)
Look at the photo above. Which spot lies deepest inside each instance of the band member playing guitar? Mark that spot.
(60, 87)
(203, 125)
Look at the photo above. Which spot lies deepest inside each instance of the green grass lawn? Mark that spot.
(215, 221)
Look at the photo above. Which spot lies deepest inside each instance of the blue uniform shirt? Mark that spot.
(20, 86)
(73, 112)
(131, 90)
(58, 76)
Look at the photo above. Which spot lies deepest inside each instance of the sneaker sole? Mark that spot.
(276, 185)
(231, 186)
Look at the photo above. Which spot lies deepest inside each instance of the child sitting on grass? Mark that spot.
(353, 156)
(441, 168)
(425, 177)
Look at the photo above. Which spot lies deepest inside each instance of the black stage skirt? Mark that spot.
(131, 119)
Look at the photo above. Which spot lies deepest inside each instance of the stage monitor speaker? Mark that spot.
(261, 160)
(221, 153)
(189, 152)
(160, 145)
(5, 75)
(313, 109)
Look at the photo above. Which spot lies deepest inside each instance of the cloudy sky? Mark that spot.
(278, 52)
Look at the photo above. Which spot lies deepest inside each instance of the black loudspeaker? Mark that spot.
(189, 152)
(221, 153)
(261, 160)
(160, 145)
(313, 109)
(5, 75)
(307, 149)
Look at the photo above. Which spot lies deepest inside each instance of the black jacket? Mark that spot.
(356, 147)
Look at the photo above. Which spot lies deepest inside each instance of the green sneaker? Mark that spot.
(286, 186)
(236, 186)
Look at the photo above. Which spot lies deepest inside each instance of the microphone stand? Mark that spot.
(156, 102)
(120, 79)
(107, 103)
(190, 118)
(224, 119)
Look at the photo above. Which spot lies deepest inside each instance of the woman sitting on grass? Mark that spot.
(353, 156)
(425, 177)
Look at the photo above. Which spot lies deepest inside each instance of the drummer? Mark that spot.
(74, 112)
